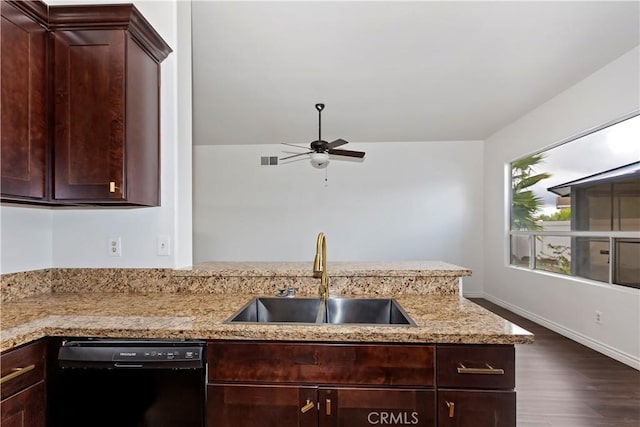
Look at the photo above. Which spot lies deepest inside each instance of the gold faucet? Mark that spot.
(320, 266)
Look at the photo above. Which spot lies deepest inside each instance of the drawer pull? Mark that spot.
(307, 407)
(328, 407)
(452, 409)
(489, 370)
(16, 373)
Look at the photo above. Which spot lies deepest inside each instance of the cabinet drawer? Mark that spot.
(310, 363)
(21, 367)
(476, 366)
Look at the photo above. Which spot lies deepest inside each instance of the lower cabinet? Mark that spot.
(475, 385)
(277, 406)
(24, 409)
(22, 393)
(485, 408)
(291, 384)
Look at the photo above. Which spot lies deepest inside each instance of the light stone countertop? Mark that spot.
(339, 268)
(438, 318)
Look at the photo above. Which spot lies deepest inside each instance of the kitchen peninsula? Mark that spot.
(248, 358)
(194, 302)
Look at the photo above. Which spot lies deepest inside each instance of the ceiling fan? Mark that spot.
(320, 149)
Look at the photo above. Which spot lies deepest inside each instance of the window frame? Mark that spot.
(612, 236)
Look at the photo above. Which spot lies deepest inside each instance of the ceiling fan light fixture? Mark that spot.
(320, 149)
(319, 160)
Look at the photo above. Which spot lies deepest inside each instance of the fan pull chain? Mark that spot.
(326, 175)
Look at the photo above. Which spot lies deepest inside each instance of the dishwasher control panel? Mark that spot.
(131, 354)
(156, 354)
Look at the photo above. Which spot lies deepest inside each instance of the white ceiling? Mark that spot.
(391, 71)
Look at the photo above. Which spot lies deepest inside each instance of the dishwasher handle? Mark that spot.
(128, 365)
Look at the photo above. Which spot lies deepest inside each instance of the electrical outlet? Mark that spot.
(598, 316)
(164, 245)
(115, 246)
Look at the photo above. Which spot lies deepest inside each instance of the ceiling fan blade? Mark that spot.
(348, 153)
(295, 155)
(294, 145)
(337, 143)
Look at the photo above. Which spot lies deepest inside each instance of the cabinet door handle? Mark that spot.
(16, 372)
(489, 370)
(328, 406)
(307, 407)
(452, 408)
(113, 188)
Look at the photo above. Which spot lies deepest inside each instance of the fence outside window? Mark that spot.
(607, 256)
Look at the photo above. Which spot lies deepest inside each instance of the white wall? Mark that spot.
(183, 238)
(566, 305)
(405, 201)
(79, 237)
(26, 237)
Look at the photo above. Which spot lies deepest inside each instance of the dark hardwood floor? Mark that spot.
(561, 383)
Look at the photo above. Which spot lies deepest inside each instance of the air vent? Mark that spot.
(269, 160)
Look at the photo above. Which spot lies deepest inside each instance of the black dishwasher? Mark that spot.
(128, 383)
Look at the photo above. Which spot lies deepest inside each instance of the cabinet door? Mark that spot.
(231, 405)
(23, 113)
(476, 408)
(89, 81)
(359, 407)
(24, 409)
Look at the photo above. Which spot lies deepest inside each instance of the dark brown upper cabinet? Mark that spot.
(23, 113)
(102, 110)
(106, 80)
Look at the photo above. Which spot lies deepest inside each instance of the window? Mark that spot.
(575, 208)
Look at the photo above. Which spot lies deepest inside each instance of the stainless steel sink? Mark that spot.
(365, 311)
(335, 311)
(278, 310)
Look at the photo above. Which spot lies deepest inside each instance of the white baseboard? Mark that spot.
(596, 345)
(473, 294)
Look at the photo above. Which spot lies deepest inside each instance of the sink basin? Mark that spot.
(279, 310)
(335, 311)
(365, 311)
